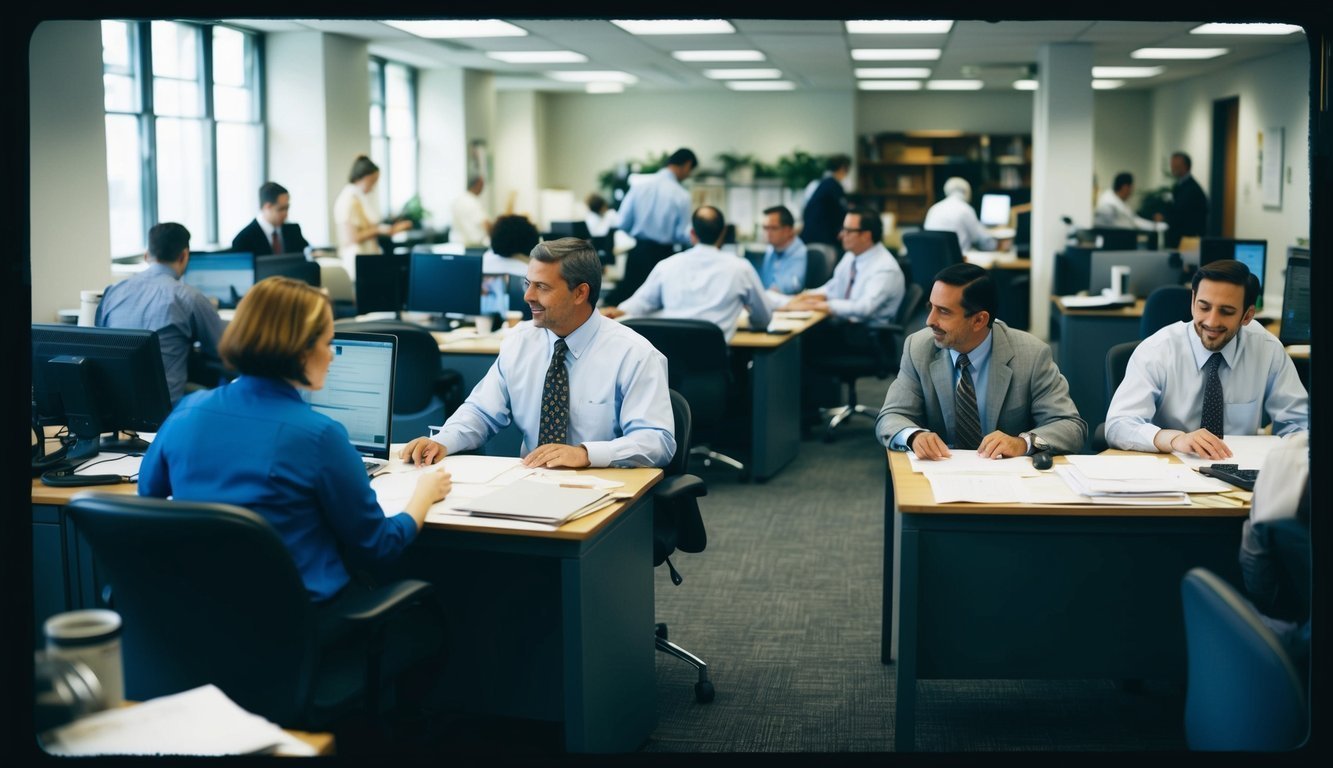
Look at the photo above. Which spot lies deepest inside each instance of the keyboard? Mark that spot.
(1241, 478)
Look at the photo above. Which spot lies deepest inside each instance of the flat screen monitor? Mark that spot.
(381, 282)
(1251, 253)
(98, 380)
(1148, 270)
(995, 210)
(293, 265)
(605, 247)
(570, 229)
(358, 391)
(1115, 239)
(224, 275)
(1296, 298)
(447, 283)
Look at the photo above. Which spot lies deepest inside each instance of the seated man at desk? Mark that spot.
(704, 282)
(269, 232)
(954, 214)
(867, 285)
(970, 382)
(1191, 384)
(584, 390)
(1113, 211)
(783, 267)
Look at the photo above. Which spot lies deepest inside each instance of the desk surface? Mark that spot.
(912, 494)
(990, 260)
(754, 340)
(1134, 311)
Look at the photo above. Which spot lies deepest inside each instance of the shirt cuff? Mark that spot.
(899, 441)
(599, 453)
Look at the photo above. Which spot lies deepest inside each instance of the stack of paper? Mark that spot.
(1141, 480)
(537, 502)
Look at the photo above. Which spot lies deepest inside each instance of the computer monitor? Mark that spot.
(1148, 270)
(1295, 327)
(98, 380)
(1251, 253)
(1115, 238)
(995, 210)
(447, 283)
(224, 275)
(381, 282)
(358, 391)
(293, 265)
(570, 229)
(605, 247)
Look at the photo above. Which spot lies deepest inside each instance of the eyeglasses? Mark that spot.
(853, 229)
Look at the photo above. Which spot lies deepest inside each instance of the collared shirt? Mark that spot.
(156, 300)
(657, 209)
(469, 221)
(1112, 212)
(619, 407)
(877, 286)
(784, 270)
(954, 214)
(256, 444)
(600, 225)
(1163, 387)
(978, 361)
(267, 229)
(702, 283)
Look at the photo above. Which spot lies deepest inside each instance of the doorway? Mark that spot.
(1222, 178)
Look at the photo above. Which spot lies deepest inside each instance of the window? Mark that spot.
(183, 129)
(393, 132)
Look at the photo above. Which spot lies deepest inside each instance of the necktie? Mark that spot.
(851, 280)
(1212, 395)
(554, 426)
(967, 420)
(277, 243)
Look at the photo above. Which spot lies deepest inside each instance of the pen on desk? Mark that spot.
(576, 485)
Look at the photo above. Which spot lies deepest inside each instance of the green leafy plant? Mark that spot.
(799, 168)
(614, 181)
(413, 212)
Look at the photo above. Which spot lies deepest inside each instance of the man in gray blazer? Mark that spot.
(969, 382)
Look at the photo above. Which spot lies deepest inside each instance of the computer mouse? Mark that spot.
(1041, 460)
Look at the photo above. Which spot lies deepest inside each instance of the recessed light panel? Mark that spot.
(604, 87)
(1025, 85)
(761, 85)
(889, 85)
(593, 76)
(895, 54)
(459, 28)
(889, 73)
(738, 55)
(897, 27)
(743, 74)
(1245, 29)
(1102, 73)
(675, 26)
(954, 85)
(538, 57)
(1106, 85)
(1178, 53)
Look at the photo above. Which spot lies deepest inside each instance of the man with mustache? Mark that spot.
(968, 382)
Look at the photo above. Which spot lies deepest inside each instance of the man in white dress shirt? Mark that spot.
(1113, 211)
(470, 225)
(954, 214)
(867, 285)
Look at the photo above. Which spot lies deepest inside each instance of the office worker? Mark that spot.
(703, 282)
(270, 232)
(356, 215)
(469, 224)
(967, 381)
(601, 218)
(255, 443)
(783, 267)
(1188, 214)
(1193, 383)
(1113, 210)
(867, 284)
(656, 213)
(157, 300)
(827, 203)
(954, 214)
(584, 390)
(512, 238)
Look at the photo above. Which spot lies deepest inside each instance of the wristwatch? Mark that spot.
(1036, 443)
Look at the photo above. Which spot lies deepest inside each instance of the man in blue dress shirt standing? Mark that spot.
(656, 213)
(783, 269)
(584, 390)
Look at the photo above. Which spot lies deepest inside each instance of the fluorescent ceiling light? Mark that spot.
(1245, 29)
(1113, 72)
(743, 74)
(889, 85)
(717, 55)
(675, 26)
(954, 85)
(604, 87)
(1106, 85)
(459, 28)
(897, 27)
(1178, 53)
(593, 76)
(895, 54)
(538, 57)
(881, 73)
(1025, 85)
(761, 85)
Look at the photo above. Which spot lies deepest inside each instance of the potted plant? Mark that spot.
(799, 169)
(413, 212)
(737, 168)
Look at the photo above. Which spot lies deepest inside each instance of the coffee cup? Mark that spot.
(91, 637)
(88, 301)
(483, 324)
(513, 317)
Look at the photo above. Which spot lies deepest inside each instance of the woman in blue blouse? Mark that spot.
(256, 444)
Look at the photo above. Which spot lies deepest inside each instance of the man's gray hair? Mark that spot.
(578, 262)
(957, 185)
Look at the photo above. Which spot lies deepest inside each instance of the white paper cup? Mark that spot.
(88, 301)
(92, 637)
(483, 324)
(1120, 280)
(513, 317)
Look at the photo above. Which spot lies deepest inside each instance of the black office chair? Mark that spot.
(209, 594)
(677, 525)
(1243, 693)
(699, 368)
(1015, 303)
(931, 251)
(1164, 306)
(820, 259)
(424, 394)
(1117, 360)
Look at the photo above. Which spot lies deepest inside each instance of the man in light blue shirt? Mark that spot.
(702, 283)
(1160, 404)
(867, 285)
(156, 300)
(783, 269)
(613, 386)
(656, 213)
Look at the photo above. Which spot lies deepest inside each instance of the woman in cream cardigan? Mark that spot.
(356, 214)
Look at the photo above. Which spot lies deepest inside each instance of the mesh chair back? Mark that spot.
(418, 360)
(1164, 306)
(697, 363)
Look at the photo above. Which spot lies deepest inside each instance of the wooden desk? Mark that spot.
(1041, 591)
(1085, 335)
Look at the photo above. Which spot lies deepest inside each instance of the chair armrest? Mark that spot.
(379, 604)
(680, 486)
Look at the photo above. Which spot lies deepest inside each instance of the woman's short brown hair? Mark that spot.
(362, 167)
(277, 322)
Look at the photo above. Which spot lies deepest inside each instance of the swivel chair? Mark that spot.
(1164, 306)
(424, 394)
(820, 259)
(1117, 361)
(931, 251)
(209, 594)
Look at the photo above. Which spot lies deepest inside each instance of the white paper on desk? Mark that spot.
(202, 721)
(989, 489)
(1247, 451)
(783, 324)
(793, 314)
(1050, 488)
(1125, 490)
(111, 464)
(968, 462)
(570, 478)
(1119, 467)
(1089, 302)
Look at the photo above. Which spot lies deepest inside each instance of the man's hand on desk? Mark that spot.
(558, 455)
(613, 312)
(998, 445)
(1200, 442)
(807, 301)
(928, 445)
(422, 451)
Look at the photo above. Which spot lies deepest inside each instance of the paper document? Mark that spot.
(990, 489)
(1247, 451)
(111, 464)
(793, 314)
(968, 462)
(1152, 490)
(1119, 467)
(536, 502)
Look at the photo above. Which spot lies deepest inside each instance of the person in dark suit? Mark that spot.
(269, 233)
(1189, 205)
(827, 204)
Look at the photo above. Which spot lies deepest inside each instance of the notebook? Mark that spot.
(358, 393)
(537, 502)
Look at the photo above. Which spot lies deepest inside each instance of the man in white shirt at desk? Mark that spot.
(1113, 212)
(602, 398)
(954, 214)
(704, 282)
(867, 285)
(1191, 384)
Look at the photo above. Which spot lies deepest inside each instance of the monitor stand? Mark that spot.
(130, 443)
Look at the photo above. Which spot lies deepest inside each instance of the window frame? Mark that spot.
(378, 66)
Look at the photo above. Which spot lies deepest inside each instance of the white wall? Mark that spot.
(1121, 135)
(970, 112)
(441, 141)
(297, 136)
(69, 224)
(479, 123)
(1273, 91)
(346, 91)
(517, 151)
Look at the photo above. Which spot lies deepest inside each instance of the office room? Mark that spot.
(797, 603)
